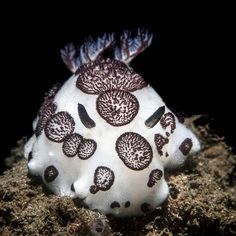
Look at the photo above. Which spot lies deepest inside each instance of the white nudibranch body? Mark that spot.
(106, 136)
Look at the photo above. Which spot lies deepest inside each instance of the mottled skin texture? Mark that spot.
(106, 136)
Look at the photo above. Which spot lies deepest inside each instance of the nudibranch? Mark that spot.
(105, 136)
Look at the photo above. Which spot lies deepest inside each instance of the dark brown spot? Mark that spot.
(154, 177)
(160, 141)
(134, 151)
(186, 146)
(117, 107)
(155, 117)
(127, 204)
(71, 144)
(103, 75)
(115, 204)
(59, 126)
(167, 154)
(50, 173)
(46, 111)
(168, 120)
(52, 92)
(86, 149)
(103, 179)
(145, 207)
(84, 117)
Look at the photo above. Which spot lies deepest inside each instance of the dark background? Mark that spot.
(190, 62)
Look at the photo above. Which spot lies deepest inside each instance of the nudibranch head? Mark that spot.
(105, 136)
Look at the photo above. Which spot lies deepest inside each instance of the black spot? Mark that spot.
(30, 156)
(127, 204)
(93, 189)
(84, 117)
(145, 207)
(115, 204)
(50, 173)
(72, 188)
(155, 117)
